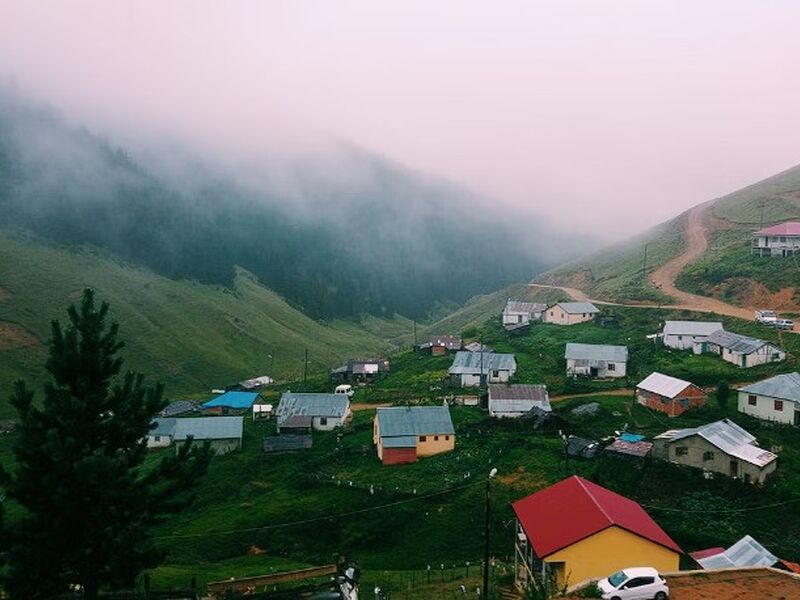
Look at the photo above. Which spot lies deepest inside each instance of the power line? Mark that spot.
(314, 520)
(722, 510)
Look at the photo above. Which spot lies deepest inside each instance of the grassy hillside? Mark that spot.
(191, 336)
(619, 272)
(727, 271)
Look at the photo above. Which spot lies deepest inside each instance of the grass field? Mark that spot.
(191, 336)
(337, 498)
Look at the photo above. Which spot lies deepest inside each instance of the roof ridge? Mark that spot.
(581, 481)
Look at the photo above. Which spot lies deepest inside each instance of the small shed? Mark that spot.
(669, 395)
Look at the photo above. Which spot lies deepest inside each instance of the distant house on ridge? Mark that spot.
(518, 314)
(778, 240)
(570, 313)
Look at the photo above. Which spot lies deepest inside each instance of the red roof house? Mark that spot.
(583, 531)
(788, 228)
(779, 240)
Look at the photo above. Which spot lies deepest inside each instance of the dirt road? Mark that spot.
(663, 278)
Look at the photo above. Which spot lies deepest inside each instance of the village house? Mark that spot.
(360, 370)
(596, 360)
(231, 402)
(719, 447)
(471, 369)
(477, 347)
(518, 314)
(576, 531)
(778, 240)
(685, 335)
(402, 434)
(571, 313)
(438, 345)
(516, 400)
(669, 395)
(299, 412)
(223, 433)
(741, 350)
(773, 399)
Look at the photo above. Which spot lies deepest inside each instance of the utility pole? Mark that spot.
(415, 333)
(305, 369)
(485, 594)
(644, 263)
(480, 378)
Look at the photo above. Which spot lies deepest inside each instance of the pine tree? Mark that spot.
(87, 499)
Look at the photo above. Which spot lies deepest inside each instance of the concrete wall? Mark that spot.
(514, 318)
(696, 446)
(765, 408)
(330, 422)
(158, 441)
(435, 444)
(765, 354)
(684, 342)
(468, 380)
(689, 398)
(606, 552)
(558, 316)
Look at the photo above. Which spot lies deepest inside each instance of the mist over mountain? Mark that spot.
(337, 236)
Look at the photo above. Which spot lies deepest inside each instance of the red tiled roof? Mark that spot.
(701, 554)
(790, 566)
(788, 228)
(574, 509)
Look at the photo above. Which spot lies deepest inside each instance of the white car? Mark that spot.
(784, 324)
(767, 317)
(635, 583)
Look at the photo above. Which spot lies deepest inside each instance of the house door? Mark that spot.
(734, 468)
(593, 371)
(797, 418)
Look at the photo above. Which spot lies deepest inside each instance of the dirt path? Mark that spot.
(616, 392)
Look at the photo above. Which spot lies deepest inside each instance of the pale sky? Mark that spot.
(607, 115)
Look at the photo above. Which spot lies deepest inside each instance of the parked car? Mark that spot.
(767, 317)
(784, 324)
(344, 389)
(635, 583)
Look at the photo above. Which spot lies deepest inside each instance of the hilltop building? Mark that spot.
(571, 313)
(438, 345)
(683, 335)
(471, 369)
(402, 434)
(669, 395)
(511, 401)
(774, 399)
(778, 240)
(577, 530)
(719, 447)
(303, 412)
(596, 360)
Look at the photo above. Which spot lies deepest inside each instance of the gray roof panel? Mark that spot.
(738, 344)
(691, 327)
(312, 405)
(783, 387)
(574, 308)
(208, 428)
(470, 363)
(596, 352)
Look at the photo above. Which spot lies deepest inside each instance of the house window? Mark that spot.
(495, 373)
(680, 337)
(776, 357)
(612, 367)
(423, 438)
(446, 438)
(779, 405)
(436, 438)
(158, 438)
(323, 421)
(752, 400)
(708, 455)
(684, 402)
(681, 451)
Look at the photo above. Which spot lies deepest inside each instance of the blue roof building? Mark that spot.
(232, 401)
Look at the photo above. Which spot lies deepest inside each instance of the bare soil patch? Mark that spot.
(749, 292)
(520, 479)
(15, 336)
(735, 585)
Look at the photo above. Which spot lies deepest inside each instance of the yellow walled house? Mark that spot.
(576, 531)
(404, 433)
(570, 313)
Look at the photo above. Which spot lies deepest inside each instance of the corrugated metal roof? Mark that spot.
(663, 385)
(518, 306)
(691, 327)
(179, 407)
(163, 427)
(470, 363)
(738, 344)
(403, 421)
(238, 400)
(729, 438)
(747, 552)
(596, 352)
(208, 428)
(788, 228)
(294, 404)
(578, 307)
(476, 347)
(639, 449)
(518, 398)
(574, 509)
(783, 387)
(400, 441)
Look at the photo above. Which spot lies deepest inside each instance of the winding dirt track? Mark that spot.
(663, 278)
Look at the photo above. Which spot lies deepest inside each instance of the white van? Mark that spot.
(344, 389)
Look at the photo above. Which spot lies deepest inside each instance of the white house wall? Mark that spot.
(684, 342)
(158, 441)
(620, 370)
(765, 408)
